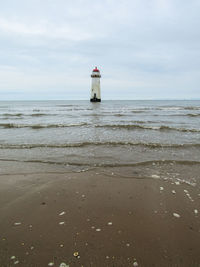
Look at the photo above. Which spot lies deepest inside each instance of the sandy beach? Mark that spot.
(104, 218)
(115, 184)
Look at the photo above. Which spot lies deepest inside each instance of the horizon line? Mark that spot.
(156, 99)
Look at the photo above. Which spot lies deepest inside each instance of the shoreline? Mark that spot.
(110, 220)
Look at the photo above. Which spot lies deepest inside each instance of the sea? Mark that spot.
(137, 138)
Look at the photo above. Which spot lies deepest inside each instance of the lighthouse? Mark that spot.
(95, 88)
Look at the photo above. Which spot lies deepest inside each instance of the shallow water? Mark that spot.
(112, 133)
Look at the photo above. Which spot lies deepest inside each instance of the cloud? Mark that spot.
(43, 30)
(146, 48)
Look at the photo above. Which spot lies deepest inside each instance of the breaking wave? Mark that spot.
(178, 108)
(142, 163)
(191, 108)
(40, 126)
(165, 108)
(113, 126)
(26, 115)
(12, 114)
(193, 115)
(85, 144)
(136, 126)
(179, 115)
(40, 114)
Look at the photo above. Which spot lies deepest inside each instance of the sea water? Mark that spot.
(80, 135)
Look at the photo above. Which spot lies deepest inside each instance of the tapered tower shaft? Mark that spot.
(95, 87)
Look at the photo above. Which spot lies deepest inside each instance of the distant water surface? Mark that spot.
(83, 135)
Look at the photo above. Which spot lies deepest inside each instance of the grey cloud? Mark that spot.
(148, 49)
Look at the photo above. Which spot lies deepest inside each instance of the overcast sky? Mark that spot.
(144, 49)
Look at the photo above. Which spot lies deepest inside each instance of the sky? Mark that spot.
(144, 49)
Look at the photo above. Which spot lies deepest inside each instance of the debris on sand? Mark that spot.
(196, 211)
(13, 257)
(188, 195)
(110, 223)
(176, 215)
(98, 230)
(173, 192)
(16, 262)
(161, 188)
(76, 254)
(63, 265)
(155, 176)
(17, 223)
(62, 213)
(51, 264)
(61, 223)
(135, 264)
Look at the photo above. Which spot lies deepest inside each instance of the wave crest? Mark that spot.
(84, 144)
(40, 126)
(146, 127)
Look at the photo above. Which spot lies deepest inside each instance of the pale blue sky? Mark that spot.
(144, 49)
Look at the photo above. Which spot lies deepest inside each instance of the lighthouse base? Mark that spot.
(95, 100)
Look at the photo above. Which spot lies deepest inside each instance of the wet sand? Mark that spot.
(108, 219)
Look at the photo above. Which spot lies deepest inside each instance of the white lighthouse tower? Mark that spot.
(95, 89)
